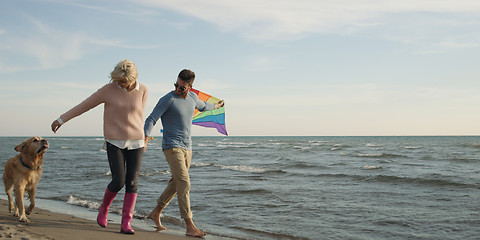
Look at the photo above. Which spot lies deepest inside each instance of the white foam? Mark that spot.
(72, 200)
(200, 164)
(410, 147)
(153, 173)
(301, 147)
(370, 167)
(241, 168)
(235, 144)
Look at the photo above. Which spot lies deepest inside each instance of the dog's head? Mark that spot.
(33, 145)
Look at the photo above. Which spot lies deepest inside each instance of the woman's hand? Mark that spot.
(147, 139)
(55, 126)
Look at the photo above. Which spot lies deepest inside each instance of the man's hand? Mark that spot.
(219, 104)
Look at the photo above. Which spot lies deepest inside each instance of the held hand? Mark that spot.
(219, 104)
(55, 126)
(147, 139)
(146, 142)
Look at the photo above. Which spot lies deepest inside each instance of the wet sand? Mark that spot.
(48, 225)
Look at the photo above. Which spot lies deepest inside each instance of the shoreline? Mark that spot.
(46, 224)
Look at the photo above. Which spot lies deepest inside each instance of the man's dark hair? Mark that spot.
(187, 76)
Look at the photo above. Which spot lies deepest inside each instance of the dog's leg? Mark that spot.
(8, 191)
(19, 192)
(31, 196)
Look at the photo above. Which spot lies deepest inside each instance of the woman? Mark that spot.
(125, 99)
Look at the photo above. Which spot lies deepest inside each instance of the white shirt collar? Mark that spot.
(137, 86)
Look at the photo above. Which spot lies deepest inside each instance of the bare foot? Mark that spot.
(195, 233)
(155, 216)
(192, 230)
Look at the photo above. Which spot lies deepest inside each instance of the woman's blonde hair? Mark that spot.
(125, 70)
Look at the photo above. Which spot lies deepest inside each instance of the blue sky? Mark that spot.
(283, 67)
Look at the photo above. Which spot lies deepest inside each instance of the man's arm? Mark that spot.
(203, 106)
(158, 111)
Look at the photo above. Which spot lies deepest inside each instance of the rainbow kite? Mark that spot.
(212, 119)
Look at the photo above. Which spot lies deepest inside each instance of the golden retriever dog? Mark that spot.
(23, 173)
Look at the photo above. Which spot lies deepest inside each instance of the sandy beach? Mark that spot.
(48, 225)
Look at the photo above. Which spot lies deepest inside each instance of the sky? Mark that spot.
(283, 67)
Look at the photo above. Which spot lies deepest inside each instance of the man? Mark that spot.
(176, 110)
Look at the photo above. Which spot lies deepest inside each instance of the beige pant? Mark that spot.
(179, 160)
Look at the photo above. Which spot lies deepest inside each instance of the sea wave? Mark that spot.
(371, 167)
(465, 159)
(410, 147)
(77, 201)
(304, 165)
(272, 235)
(301, 147)
(201, 164)
(153, 172)
(238, 168)
(145, 173)
(319, 143)
(424, 181)
(336, 147)
(248, 169)
(471, 145)
(236, 144)
(379, 155)
(204, 145)
(256, 191)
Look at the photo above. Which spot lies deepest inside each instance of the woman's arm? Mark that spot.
(94, 100)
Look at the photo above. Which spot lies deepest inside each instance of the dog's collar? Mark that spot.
(25, 165)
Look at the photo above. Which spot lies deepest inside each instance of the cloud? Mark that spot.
(212, 86)
(459, 45)
(43, 50)
(45, 47)
(259, 63)
(291, 19)
(118, 8)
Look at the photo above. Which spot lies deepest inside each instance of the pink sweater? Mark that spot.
(123, 111)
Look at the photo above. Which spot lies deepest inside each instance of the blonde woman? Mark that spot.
(124, 99)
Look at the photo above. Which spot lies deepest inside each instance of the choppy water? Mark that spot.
(293, 187)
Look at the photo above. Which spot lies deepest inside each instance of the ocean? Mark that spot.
(400, 187)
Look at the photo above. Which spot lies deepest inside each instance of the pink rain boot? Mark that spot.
(127, 213)
(103, 209)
